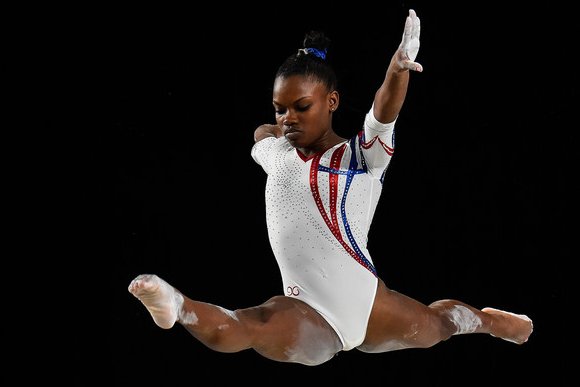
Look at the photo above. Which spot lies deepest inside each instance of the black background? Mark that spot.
(475, 204)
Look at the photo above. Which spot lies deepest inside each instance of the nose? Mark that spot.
(289, 119)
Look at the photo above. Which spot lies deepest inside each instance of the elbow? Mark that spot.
(266, 130)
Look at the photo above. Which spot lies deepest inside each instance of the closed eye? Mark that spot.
(301, 109)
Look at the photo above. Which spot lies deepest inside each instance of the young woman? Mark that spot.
(321, 194)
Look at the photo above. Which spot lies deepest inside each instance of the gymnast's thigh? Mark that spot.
(396, 322)
(288, 329)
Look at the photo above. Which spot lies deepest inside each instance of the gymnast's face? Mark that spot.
(304, 109)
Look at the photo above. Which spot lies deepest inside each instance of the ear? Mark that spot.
(333, 99)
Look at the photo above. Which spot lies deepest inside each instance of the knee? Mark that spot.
(454, 318)
(445, 326)
(440, 328)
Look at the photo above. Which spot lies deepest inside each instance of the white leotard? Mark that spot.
(318, 213)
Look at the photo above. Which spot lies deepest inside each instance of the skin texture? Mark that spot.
(288, 330)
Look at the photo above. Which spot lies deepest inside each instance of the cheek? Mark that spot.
(320, 118)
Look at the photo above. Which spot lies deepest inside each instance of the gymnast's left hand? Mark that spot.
(409, 47)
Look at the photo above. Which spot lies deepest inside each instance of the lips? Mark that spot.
(289, 130)
(291, 133)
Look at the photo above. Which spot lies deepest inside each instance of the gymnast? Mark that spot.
(321, 194)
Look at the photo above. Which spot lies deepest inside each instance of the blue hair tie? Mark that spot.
(316, 52)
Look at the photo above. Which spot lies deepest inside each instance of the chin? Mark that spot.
(294, 140)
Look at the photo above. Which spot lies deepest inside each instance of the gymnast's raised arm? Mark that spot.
(390, 96)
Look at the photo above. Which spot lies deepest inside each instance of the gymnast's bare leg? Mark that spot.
(399, 322)
(282, 329)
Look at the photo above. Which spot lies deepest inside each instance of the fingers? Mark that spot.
(414, 66)
(412, 26)
(411, 65)
(415, 24)
(410, 44)
(408, 31)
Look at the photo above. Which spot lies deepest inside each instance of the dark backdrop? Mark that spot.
(474, 207)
